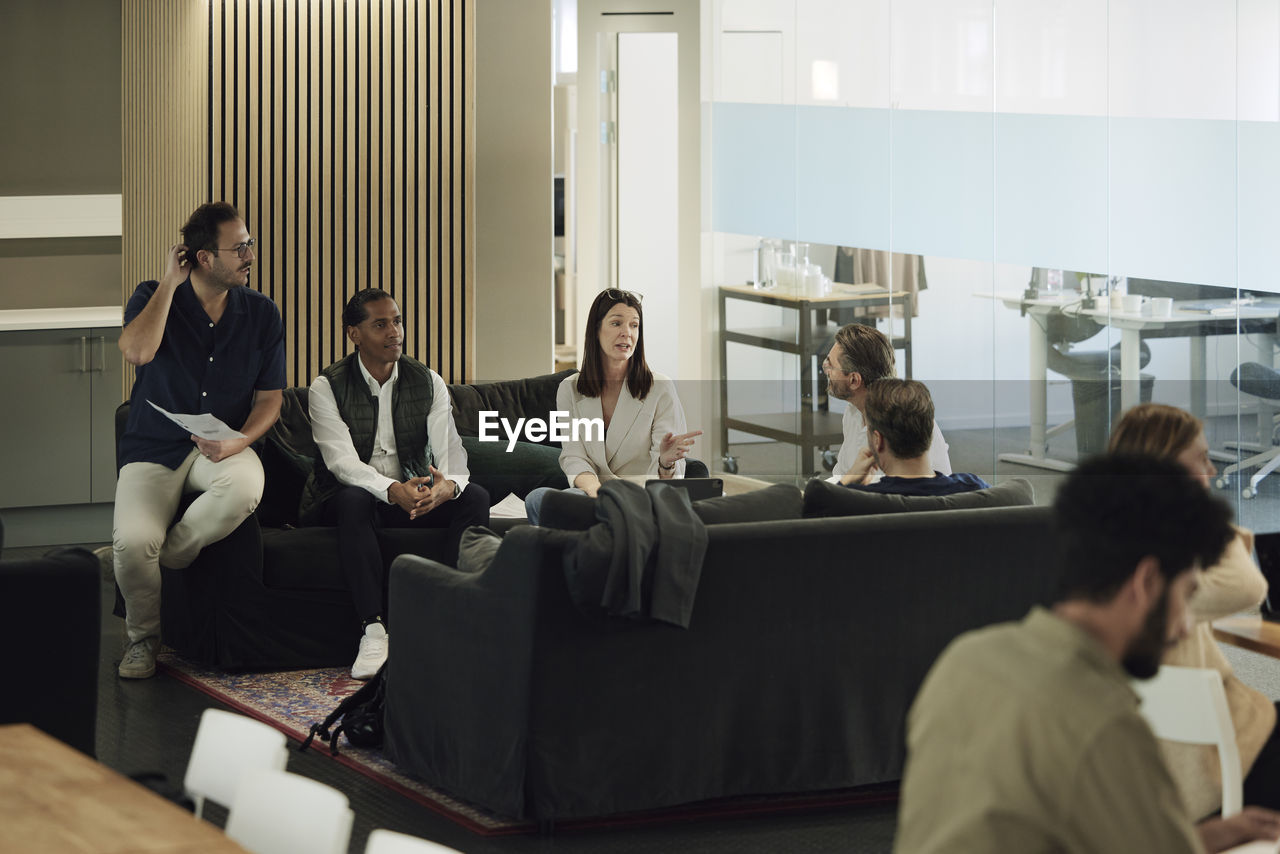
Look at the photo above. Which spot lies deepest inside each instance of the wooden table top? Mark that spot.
(54, 799)
(1252, 633)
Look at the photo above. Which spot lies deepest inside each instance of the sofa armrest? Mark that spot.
(458, 683)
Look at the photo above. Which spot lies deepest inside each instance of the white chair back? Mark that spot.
(276, 812)
(227, 747)
(383, 841)
(1188, 704)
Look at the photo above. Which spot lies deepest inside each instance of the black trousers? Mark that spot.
(1262, 784)
(358, 516)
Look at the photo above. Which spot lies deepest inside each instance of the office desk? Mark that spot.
(54, 799)
(1133, 327)
(1252, 633)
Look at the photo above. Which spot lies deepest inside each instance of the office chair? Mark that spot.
(1188, 705)
(1095, 379)
(1256, 380)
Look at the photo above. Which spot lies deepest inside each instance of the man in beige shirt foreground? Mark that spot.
(1026, 736)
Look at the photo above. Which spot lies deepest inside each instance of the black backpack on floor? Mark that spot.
(361, 716)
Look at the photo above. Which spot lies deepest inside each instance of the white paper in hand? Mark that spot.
(204, 425)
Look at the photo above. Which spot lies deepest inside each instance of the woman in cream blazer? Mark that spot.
(1233, 584)
(644, 425)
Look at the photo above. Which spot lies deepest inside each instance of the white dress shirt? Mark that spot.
(333, 437)
(855, 439)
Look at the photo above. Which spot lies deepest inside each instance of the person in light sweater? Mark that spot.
(1233, 584)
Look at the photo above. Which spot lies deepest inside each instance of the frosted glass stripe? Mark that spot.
(753, 171)
(1032, 188)
(843, 176)
(1051, 191)
(943, 188)
(1173, 199)
(1260, 206)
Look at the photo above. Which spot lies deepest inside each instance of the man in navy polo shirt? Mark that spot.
(900, 428)
(202, 343)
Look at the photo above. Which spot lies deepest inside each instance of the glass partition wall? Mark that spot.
(1075, 201)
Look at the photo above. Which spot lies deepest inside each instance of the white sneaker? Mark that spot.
(139, 659)
(373, 652)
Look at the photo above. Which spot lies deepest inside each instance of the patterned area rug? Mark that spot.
(293, 700)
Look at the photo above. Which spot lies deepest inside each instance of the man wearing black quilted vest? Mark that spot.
(390, 456)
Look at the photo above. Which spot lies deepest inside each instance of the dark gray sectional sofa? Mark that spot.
(808, 641)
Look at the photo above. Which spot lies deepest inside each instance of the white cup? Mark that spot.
(1117, 301)
(1162, 306)
(1131, 303)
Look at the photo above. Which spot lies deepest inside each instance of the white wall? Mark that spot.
(514, 285)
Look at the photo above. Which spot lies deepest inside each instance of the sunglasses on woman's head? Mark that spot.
(623, 296)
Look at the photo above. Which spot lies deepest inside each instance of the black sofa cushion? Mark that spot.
(477, 549)
(521, 470)
(532, 397)
(774, 503)
(823, 499)
(568, 511)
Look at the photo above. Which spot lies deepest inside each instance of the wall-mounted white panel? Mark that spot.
(865, 39)
(753, 169)
(1173, 59)
(943, 183)
(1051, 57)
(1051, 191)
(842, 52)
(757, 14)
(750, 18)
(942, 54)
(842, 176)
(1259, 229)
(648, 183)
(1258, 60)
(751, 68)
(1173, 200)
(60, 216)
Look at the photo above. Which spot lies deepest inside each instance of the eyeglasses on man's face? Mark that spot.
(241, 249)
(623, 296)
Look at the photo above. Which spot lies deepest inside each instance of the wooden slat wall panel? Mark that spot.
(166, 131)
(343, 130)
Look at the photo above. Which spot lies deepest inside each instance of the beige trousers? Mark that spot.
(147, 496)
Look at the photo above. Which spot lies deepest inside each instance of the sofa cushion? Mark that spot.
(301, 559)
(823, 499)
(477, 549)
(773, 503)
(526, 467)
(288, 457)
(569, 511)
(532, 397)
